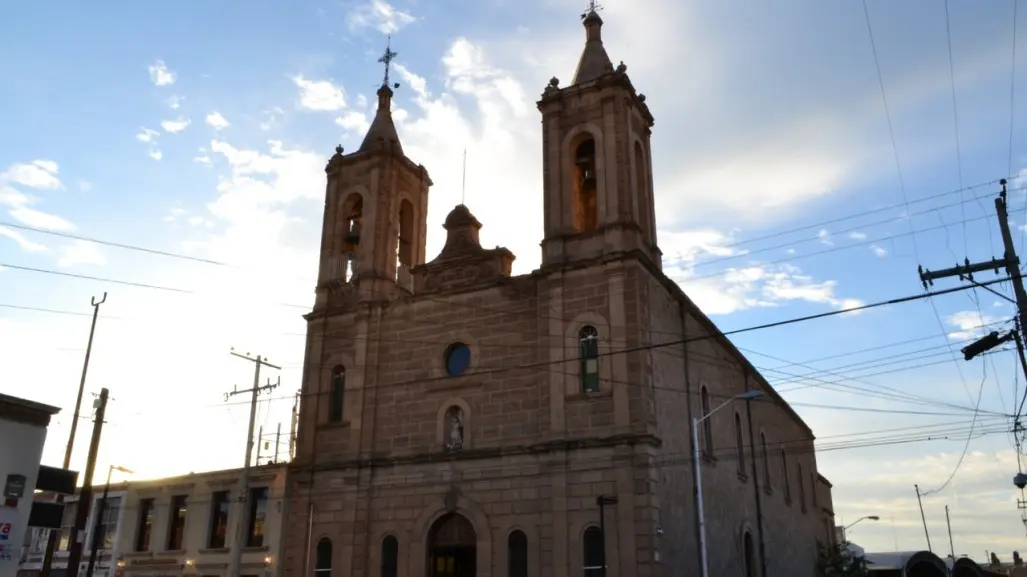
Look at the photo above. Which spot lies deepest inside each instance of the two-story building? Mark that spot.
(107, 552)
(186, 525)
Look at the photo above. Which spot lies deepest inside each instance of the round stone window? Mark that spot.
(457, 359)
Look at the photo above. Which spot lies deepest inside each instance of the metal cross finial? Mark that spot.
(387, 59)
(593, 6)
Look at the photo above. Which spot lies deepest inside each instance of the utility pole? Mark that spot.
(1009, 261)
(51, 541)
(260, 442)
(244, 477)
(952, 548)
(278, 441)
(85, 496)
(294, 426)
(923, 518)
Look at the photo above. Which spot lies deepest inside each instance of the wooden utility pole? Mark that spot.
(1009, 261)
(923, 518)
(948, 522)
(85, 496)
(278, 441)
(51, 541)
(244, 477)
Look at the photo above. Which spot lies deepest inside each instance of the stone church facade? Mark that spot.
(460, 421)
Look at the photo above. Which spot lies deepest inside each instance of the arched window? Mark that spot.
(739, 444)
(784, 476)
(588, 341)
(750, 555)
(390, 557)
(323, 558)
(352, 217)
(594, 552)
(765, 458)
(802, 486)
(586, 197)
(642, 189)
(517, 554)
(405, 241)
(707, 425)
(338, 394)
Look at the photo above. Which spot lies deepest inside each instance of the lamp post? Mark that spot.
(603, 501)
(868, 517)
(99, 517)
(746, 396)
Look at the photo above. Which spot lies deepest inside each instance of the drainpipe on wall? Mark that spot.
(756, 483)
(691, 431)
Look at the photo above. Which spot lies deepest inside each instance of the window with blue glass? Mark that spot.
(457, 359)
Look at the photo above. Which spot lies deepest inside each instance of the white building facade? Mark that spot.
(107, 552)
(186, 526)
(23, 427)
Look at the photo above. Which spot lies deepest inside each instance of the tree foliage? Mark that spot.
(836, 561)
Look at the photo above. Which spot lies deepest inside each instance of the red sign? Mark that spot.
(5, 531)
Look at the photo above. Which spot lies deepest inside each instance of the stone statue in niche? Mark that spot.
(455, 423)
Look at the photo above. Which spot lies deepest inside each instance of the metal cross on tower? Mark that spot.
(593, 6)
(387, 59)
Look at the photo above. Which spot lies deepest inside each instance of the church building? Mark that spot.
(459, 421)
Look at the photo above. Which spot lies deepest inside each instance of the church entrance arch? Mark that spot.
(452, 547)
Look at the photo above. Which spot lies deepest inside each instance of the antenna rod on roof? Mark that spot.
(463, 181)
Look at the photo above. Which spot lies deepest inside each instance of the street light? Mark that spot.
(99, 516)
(602, 501)
(870, 517)
(746, 396)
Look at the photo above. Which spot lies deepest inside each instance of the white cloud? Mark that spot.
(175, 126)
(80, 252)
(204, 160)
(320, 94)
(751, 286)
(155, 154)
(216, 121)
(41, 174)
(354, 122)
(380, 15)
(878, 251)
(160, 75)
(857, 236)
(970, 325)
(174, 101)
(38, 219)
(147, 135)
(825, 237)
(24, 243)
(14, 198)
(417, 83)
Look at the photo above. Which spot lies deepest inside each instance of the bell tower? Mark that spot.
(597, 163)
(375, 215)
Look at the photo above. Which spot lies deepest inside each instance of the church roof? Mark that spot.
(594, 61)
(382, 133)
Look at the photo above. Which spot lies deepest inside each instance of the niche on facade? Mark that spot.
(405, 240)
(454, 428)
(352, 221)
(585, 192)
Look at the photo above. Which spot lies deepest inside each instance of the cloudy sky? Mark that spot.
(795, 174)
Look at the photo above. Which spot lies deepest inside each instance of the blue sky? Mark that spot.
(205, 133)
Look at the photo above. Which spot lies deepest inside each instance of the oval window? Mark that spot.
(458, 358)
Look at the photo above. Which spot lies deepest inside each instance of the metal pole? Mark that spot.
(244, 478)
(51, 542)
(602, 530)
(952, 547)
(698, 495)
(100, 509)
(923, 518)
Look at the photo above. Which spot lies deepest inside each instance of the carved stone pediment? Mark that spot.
(463, 261)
